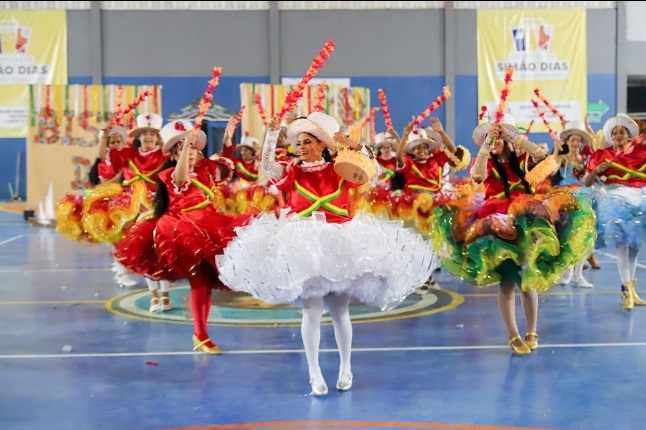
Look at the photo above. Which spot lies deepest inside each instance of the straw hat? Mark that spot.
(623, 120)
(175, 131)
(480, 132)
(318, 124)
(147, 121)
(576, 127)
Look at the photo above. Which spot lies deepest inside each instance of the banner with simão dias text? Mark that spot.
(33, 50)
(349, 105)
(547, 49)
(62, 141)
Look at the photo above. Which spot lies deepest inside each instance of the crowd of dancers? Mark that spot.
(283, 222)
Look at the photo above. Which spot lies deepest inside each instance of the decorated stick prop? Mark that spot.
(373, 132)
(261, 110)
(549, 165)
(483, 112)
(205, 103)
(529, 128)
(549, 105)
(238, 118)
(118, 119)
(320, 97)
(545, 121)
(504, 93)
(297, 92)
(384, 109)
(436, 104)
(117, 113)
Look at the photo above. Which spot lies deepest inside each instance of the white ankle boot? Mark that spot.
(319, 387)
(582, 282)
(566, 278)
(344, 383)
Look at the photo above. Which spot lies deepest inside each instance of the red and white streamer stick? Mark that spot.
(436, 104)
(205, 103)
(117, 113)
(261, 110)
(384, 109)
(118, 118)
(529, 128)
(297, 92)
(238, 118)
(545, 121)
(483, 112)
(320, 97)
(373, 131)
(549, 105)
(504, 93)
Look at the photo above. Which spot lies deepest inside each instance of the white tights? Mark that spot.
(155, 285)
(626, 262)
(338, 306)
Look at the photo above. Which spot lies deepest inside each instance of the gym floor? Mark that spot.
(79, 352)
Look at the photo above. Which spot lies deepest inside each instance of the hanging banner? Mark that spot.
(547, 48)
(349, 105)
(33, 50)
(62, 140)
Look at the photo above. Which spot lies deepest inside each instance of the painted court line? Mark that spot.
(614, 257)
(291, 351)
(11, 239)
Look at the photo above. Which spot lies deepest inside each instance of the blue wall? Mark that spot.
(407, 97)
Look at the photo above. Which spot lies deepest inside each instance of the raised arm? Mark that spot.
(180, 175)
(478, 171)
(103, 143)
(273, 169)
(401, 145)
(535, 151)
(437, 127)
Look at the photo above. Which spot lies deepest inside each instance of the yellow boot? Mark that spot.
(627, 292)
(636, 299)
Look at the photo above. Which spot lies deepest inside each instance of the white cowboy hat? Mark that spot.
(175, 131)
(623, 120)
(417, 137)
(382, 139)
(250, 142)
(437, 137)
(117, 129)
(576, 127)
(147, 121)
(480, 132)
(318, 124)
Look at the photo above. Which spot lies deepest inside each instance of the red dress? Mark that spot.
(317, 189)
(193, 230)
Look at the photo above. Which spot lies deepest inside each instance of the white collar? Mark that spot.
(313, 163)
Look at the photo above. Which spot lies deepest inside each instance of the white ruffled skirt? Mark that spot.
(281, 260)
